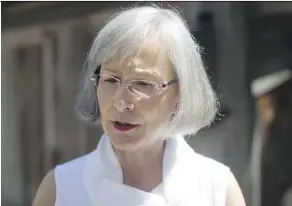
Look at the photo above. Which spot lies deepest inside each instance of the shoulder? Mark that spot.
(212, 173)
(62, 175)
(222, 181)
(211, 167)
(234, 196)
(72, 165)
(69, 173)
(46, 194)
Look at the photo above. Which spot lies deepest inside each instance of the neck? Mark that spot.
(142, 168)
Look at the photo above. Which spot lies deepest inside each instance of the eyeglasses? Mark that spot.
(141, 88)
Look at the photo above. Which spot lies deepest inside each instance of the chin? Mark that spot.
(125, 142)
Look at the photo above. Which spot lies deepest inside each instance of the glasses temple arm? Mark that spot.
(170, 82)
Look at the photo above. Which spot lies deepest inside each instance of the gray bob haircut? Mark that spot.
(122, 35)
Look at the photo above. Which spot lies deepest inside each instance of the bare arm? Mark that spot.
(46, 194)
(234, 196)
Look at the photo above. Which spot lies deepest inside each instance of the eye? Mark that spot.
(110, 80)
(144, 85)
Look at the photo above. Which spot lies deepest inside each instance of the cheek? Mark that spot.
(104, 102)
(159, 109)
(169, 104)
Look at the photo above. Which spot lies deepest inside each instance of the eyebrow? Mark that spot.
(110, 70)
(142, 74)
(148, 74)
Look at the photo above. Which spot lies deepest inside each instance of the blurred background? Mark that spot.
(44, 45)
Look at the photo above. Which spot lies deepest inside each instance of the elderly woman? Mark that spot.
(146, 85)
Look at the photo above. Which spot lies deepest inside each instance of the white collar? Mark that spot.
(103, 179)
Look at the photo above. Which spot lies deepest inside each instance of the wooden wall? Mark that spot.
(41, 69)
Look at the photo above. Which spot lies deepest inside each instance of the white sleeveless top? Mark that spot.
(96, 179)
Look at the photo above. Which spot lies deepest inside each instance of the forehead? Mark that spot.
(146, 58)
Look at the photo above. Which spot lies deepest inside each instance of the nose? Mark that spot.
(123, 106)
(122, 99)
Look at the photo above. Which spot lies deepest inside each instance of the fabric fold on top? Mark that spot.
(103, 178)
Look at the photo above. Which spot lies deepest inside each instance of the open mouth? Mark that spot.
(123, 126)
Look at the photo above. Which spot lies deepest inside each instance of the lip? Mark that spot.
(123, 128)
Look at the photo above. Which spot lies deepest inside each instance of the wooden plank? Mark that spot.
(48, 68)
(55, 12)
(12, 173)
(21, 38)
(31, 120)
(71, 54)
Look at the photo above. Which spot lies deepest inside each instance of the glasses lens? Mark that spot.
(144, 88)
(109, 84)
(141, 88)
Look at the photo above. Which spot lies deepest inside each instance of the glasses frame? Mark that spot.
(158, 86)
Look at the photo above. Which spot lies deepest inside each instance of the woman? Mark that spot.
(146, 85)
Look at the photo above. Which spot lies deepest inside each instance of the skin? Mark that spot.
(139, 151)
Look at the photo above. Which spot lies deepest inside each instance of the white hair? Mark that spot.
(197, 102)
